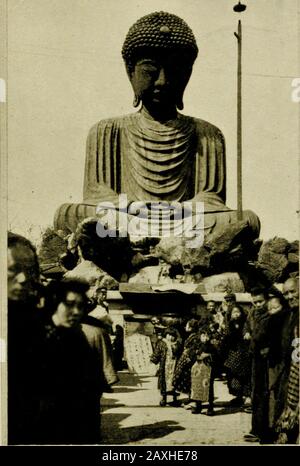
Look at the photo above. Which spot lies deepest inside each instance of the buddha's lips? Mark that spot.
(160, 95)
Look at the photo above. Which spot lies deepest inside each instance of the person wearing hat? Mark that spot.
(158, 331)
(101, 310)
(156, 154)
(226, 307)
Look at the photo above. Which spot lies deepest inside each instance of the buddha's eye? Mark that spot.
(149, 70)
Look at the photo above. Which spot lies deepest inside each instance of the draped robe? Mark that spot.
(177, 160)
(149, 160)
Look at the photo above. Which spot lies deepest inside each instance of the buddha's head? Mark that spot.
(159, 52)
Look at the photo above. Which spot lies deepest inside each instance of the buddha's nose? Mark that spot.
(161, 78)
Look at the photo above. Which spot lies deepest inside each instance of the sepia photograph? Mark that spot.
(149, 209)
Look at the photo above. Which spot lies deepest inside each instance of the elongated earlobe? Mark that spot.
(179, 104)
(136, 101)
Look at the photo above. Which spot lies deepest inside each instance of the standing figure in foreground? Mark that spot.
(202, 375)
(182, 375)
(166, 355)
(278, 310)
(237, 358)
(24, 333)
(257, 330)
(70, 378)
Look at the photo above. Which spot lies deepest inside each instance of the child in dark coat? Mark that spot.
(202, 375)
(237, 357)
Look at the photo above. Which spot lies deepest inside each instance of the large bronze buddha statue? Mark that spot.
(157, 153)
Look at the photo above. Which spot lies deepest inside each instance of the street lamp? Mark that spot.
(239, 8)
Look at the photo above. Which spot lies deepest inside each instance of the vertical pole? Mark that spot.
(239, 125)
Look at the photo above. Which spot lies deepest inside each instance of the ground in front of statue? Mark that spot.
(131, 415)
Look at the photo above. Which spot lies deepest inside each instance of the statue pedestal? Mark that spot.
(160, 299)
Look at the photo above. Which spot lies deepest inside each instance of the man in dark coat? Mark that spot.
(289, 326)
(24, 331)
(258, 330)
(71, 374)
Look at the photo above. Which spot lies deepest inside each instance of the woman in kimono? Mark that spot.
(202, 375)
(182, 375)
(165, 354)
(237, 357)
(71, 376)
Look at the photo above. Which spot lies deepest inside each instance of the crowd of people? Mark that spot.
(60, 355)
(61, 358)
(255, 350)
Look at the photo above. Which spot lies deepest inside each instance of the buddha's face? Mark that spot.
(159, 80)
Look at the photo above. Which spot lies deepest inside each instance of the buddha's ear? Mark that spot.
(137, 98)
(136, 101)
(179, 102)
(180, 91)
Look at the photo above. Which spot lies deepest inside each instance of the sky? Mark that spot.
(65, 72)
